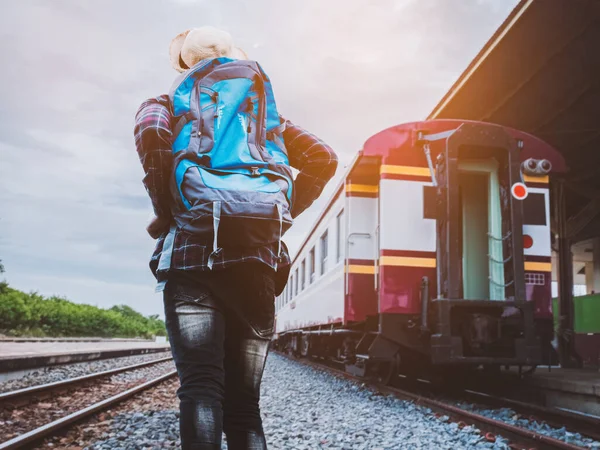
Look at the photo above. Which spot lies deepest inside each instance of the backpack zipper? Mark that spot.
(215, 98)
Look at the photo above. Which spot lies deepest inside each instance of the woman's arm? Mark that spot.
(153, 143)
(316, 161)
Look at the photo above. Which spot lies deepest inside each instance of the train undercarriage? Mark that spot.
(362, 351)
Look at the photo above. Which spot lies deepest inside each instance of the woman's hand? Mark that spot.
(158, 226)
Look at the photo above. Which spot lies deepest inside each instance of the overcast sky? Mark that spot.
(72, 206)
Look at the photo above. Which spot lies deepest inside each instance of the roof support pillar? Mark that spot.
(592, 269)
(565, 334)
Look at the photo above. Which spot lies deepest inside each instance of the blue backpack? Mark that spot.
(231, 176)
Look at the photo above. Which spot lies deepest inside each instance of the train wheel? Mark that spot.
(384, 372)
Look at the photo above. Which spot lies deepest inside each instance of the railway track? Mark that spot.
(521, 438)
(22, 399)
(584, 424)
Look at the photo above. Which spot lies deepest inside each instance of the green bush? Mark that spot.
(31, 314)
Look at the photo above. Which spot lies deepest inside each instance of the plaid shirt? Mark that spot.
(315, 160)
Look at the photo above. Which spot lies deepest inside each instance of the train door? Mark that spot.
(481, 226)
(361, 253)
(479, 222)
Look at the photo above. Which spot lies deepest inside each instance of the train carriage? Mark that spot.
(435, 247)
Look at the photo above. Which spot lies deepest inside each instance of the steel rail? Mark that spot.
(37, 434)
(513, 433)
(586, 425)
(57, 385)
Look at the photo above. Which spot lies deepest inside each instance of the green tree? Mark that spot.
(32, 314)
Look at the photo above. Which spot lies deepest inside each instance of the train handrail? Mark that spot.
(376, 260)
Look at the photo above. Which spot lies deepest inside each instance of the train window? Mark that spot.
(296, 277)
(340, 237)
(303, 275)
(534, 209)
(535, 278)
(291, 286)
(311, 265)
(323, 252)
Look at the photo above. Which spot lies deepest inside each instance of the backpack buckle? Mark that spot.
(254, 171)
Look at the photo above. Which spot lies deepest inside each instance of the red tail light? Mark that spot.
(519, 191)
(527, 241)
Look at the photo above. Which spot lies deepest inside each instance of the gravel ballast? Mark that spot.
(513, 418)
(58, 373)
(305, 409)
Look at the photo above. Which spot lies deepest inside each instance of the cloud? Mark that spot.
(72, 206)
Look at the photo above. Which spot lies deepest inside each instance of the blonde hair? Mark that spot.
(194, 45)
(205, 43)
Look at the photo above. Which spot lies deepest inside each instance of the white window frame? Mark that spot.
(324, 244)
(312, 263)
(339, 235)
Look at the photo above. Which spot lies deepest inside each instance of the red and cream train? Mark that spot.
(434, 249)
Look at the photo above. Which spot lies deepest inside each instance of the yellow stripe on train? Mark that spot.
(371, 189)
(543, 179)
(360, 268)
(405, 170)
(424, 172)
(533, 266)
(407, 261)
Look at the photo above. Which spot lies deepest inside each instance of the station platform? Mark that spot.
(25, 354)
(572, 389)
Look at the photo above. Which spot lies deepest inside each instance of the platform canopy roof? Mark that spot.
(540, 73)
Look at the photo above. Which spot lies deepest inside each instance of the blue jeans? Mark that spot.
(219, 325)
